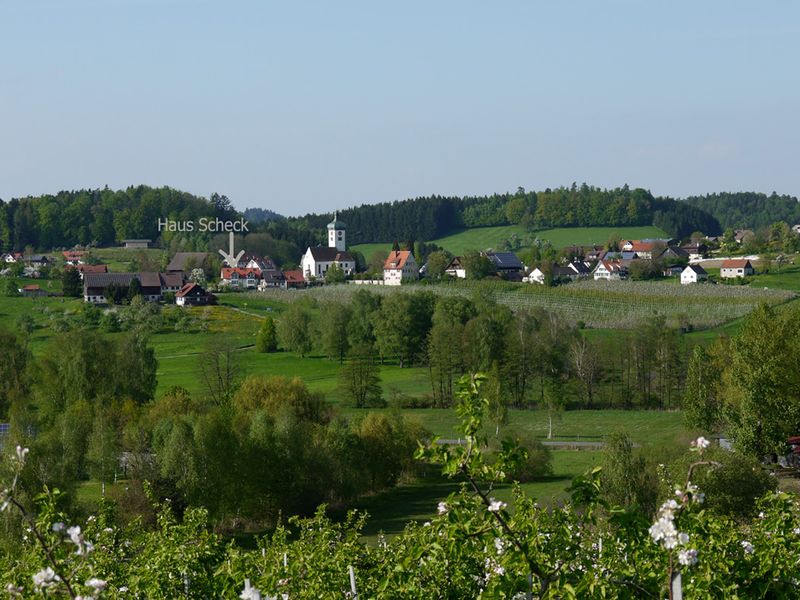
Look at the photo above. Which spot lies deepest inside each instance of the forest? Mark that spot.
(104, 217)
(748, 210)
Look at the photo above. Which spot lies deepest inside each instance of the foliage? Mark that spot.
(71, 283)
(360, 382)
(267, 337)
(625, 479)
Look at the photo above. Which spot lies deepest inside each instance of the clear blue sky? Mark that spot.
(309, 106)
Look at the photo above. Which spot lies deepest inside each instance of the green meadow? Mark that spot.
(482, 238)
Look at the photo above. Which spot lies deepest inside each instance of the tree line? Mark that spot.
(748, 210)
(534, 359)
(103, 217)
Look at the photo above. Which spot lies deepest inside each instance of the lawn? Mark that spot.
(119, 259)
(482, 238)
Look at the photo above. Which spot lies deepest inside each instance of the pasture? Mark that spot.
(483, 238)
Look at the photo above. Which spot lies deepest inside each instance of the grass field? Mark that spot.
(481, 238)
(119, 259)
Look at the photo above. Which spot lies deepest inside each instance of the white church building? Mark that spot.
(317, 260)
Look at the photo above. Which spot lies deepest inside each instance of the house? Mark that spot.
(796, 228)
(742, 235)
(316, 261)
(400, 266)
(643, 248)
(572, 271)
(695, 250)
(74, 257)
(271, 278)
(83, 269)
(252, 261)
(455, 268)
(32, 291)
(610, 270)
(739, 267)
(595, 253)
(505, 262)
(294, 279)
(186, 261)
(536, 275)
(675, 253)
(192, 294)
(136, 244)
(150, 286)
(95, 284)
(38, 260)
(673, 270)
(12, 257)
(693, 274)
(241, 279)
(171, 283)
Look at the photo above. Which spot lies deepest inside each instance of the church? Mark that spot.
(316, 261)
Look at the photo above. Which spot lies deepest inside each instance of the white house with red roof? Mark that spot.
(736, 267)
(610, 270)
(74, 257)
(241, 279)
(400, 266)
(192, 294)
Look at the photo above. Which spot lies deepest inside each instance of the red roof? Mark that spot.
(295, 276)
(73, 254)
(185, 290)
(639, 246)
(30, 288)
(227, 272)
(88, 268)
(736, 263)
(397, 259)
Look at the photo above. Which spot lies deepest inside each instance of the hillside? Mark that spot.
(748, 210)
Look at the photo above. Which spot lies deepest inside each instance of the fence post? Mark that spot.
(677, 586)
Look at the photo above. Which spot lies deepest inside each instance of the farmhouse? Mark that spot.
(400, 266)
(95, 284)
(610, 270)
(693, 274)
(695, 250)
(38, 260)
(192, 294)
(186, 261)
(316, 261)
(153, 286)
(171, 282)
(733, 268)
(83, 269)
(12, 257)
(455, 268)
(572, 271)
(742, 235)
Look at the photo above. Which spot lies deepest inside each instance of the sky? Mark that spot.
(311, 106)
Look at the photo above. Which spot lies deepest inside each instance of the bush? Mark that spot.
(731, 489)
(539, 462)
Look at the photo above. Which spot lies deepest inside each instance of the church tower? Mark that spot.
(336, 234)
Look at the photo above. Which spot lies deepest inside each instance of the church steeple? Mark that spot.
(336, 238)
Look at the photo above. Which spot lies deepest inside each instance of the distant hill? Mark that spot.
(748, 210)
(433, 217)
(259, 215)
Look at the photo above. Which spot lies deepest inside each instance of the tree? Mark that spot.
(334, 274)
(267, 339)
(359, 380)
(219, 370)
(294, 329)
(333, 330)
(437, 264)
(477, 265)
(402, 324)
(586, 363)
(497, 408)
(702, 405)
(71, 282)
(626, 481)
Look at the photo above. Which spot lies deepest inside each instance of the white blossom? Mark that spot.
(14, 590)
(500, 545)
(796, 531)
(21, 454)
(442, 508)
(58, 527)
(687, 557)
(496, 505)
(96, 584)
(250, 593)
(45, 578)
(701, 443)
(748, 547)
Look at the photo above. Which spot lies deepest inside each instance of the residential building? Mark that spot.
(186, 261)
(74, 257)
(294, 279)
(83, 269)
(505, 262)
(610, 270)
(456, 268)
(38, 260)
(192, 294)
(738, 267)
(241, 279)
(399, 267)
(693, 274)
(32, 291)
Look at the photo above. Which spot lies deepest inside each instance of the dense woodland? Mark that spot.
(748, 210)
(104, 217)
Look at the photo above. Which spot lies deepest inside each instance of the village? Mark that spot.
(185, 283)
